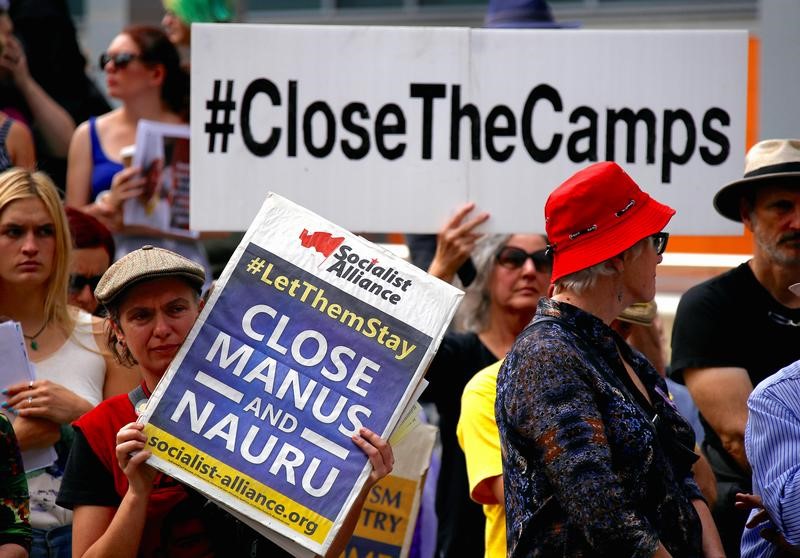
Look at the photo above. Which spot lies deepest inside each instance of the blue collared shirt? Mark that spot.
(772, 442)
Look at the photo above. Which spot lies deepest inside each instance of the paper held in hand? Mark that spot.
(311, 333)
(17, 369)
(162, 154)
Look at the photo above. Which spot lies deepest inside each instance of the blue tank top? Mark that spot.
(5, 158)
(103, 168)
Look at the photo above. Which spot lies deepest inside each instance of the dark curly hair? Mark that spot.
(155, 48)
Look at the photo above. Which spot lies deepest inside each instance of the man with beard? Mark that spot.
(733, 331)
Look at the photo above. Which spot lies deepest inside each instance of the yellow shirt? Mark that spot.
(479, 438)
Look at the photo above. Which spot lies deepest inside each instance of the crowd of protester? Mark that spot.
(565, 430)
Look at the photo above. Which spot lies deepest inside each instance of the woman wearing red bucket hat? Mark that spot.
(597, 461)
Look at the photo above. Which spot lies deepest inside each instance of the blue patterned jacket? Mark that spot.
(587, 470)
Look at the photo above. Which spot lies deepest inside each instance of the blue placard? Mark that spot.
(285, 368)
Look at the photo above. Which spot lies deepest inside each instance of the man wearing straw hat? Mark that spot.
(733, 331)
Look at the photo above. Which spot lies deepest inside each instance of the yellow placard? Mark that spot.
(243, 487)
(384, 517)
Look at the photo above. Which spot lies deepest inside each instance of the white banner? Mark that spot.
(389, 129)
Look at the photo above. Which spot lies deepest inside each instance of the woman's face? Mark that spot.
(154, 319)
(639, 273)
(519, 289)
(27, 242)
(87, 265)
(125, 81)
(177, 31)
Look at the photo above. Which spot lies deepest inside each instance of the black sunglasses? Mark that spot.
(121, 59)
(660, 242)
(78, 282)
(514, 258)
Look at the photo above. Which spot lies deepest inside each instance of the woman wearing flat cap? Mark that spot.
(596, 459)
(122, 506)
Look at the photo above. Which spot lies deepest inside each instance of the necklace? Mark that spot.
(32, 338)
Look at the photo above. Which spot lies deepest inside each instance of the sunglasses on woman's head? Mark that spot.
(121, 59)
(78, 282)
(660, 242)
(514, 258)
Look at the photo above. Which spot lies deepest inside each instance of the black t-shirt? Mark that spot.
(461, 521)
(732, 321)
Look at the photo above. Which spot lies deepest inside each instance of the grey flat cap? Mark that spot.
(148, 262)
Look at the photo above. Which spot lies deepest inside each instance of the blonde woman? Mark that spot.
(72, 373)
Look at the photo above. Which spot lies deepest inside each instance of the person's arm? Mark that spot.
(704, 477)
(12, 550)
(50, 118)
(78, 192)
(89, 523)
(721, 396)
(79, 182)
(101, 531)
(381, 457)
(35, 433)
(712, 545)
(20, 146)
(455, 242)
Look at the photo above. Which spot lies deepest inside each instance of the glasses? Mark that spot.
(120, 60)
(514, 258)
(78, 282)
(660, 242)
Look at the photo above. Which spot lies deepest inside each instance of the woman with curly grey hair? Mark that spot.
(512, 274)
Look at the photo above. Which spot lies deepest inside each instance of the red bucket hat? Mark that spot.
(596, 214)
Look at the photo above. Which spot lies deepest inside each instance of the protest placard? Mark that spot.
(310, 333)
(17, 368)
(162, 154)
(389, 129)
(386, 526)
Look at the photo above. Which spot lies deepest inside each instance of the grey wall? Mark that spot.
(780, 69)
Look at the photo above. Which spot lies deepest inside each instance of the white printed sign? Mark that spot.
(390, 129)
(311, 333)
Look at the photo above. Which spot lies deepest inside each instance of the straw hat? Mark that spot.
(642, 313)
(598, 213)
(148, 262)
(767, 162)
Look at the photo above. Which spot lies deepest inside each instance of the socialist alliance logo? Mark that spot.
(364, 272)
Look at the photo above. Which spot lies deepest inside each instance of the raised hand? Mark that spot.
(455, 242)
